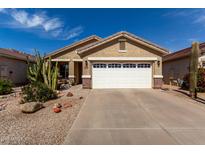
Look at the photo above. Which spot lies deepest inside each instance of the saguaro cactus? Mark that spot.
(50, 74)
(194, 69)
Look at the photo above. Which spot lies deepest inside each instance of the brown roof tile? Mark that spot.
(14, 54)
(182, 53)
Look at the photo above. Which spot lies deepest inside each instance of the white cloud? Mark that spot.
(52, 24)
(48, 25)
(74, 32)
(57, 32)
(194, 15)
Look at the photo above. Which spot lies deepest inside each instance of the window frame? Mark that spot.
(99, 65)
(143, 65)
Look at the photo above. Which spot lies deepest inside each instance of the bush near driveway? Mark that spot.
(5, 87)
(37, 92)
(200, 81)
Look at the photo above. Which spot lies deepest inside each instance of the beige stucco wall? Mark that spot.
(177, 69)
(71, 54)
(112, 50)
(19, 69)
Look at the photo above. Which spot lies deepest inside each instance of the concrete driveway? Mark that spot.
(138, 116)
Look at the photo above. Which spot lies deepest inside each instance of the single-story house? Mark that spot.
(13, 65)
(121, 60)
(176, 64)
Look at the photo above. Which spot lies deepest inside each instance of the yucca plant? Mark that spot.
(194, 69)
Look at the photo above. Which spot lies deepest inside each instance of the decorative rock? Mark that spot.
(57, 92)
(57, 105)
(56, 110)
(69, 94)
(22, 101)
(31, 107)
(67, 105)
(3, 106)
(81, 97)
(64, 86)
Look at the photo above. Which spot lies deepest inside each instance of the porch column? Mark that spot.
(157, 74)
(86, 77)
(71, 75)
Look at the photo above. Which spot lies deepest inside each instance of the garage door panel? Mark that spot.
(122, 77)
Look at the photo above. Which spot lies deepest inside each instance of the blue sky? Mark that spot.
(50, 29)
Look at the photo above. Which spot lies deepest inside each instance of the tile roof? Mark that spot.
(182, 53)
(73, 45)
(14, 54)
(119, 34)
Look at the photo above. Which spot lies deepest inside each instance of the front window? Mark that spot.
(63, 70)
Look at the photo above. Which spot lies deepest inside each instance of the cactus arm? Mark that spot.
(49, 71)
(194, 69)
(44, 74)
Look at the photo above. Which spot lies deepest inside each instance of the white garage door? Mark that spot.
(126, 75)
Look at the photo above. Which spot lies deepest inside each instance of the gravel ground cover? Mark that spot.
(43, 126)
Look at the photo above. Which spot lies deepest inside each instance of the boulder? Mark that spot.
(69, 94)
(67, 104)
(81, 97)
(56, 110)
(31, 107)
(57, 105)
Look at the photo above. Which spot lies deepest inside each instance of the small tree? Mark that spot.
(194, 69)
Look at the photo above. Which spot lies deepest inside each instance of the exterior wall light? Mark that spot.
(86, 64)
(158, 63)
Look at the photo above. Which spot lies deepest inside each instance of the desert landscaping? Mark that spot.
(43, 126)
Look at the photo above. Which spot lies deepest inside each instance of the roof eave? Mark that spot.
(120, 34)
(73, 45)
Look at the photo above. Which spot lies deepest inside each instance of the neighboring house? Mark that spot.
(176, 65)
(122, 60)
(13, 65)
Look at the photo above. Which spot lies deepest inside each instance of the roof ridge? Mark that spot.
(80, 50)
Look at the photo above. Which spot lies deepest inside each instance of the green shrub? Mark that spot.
(5, 87)
(200, 81)
(37, 92)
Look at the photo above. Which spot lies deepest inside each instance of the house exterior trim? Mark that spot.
(60, 60)
(122, 58)
(77, 60)
(158, 76)
(97, 38)
(86, 76)
(71, 76)
(127, 35)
